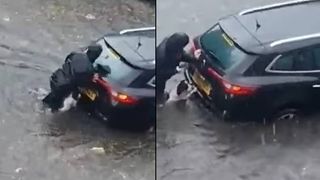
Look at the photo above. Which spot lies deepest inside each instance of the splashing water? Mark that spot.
(39, 93)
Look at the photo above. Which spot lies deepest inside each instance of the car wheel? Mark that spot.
(288, 114)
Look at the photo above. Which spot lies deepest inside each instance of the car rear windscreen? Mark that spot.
(121, 72)
(221, 49)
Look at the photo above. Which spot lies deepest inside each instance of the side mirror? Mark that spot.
(103, 69)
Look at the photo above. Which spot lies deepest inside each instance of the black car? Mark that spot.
(263, 63)
(127, 91)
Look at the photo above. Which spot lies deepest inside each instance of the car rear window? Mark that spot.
(121, 72)
(221, 48)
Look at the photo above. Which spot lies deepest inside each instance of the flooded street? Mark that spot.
(193, 144)
(36, 35)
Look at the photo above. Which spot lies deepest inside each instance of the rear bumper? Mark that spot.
(120, 112)
(207, 101)
(227, 107)
(126, 113)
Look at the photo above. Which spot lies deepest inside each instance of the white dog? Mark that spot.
(68, 103)
(182, 91)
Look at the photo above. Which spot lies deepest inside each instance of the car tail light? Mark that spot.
(237, 89)
(123, 98)
(115, 96)
(230, 88)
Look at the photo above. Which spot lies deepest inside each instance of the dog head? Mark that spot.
(182, 87)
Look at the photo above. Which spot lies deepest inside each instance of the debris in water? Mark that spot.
(303, 171)
(79, 36)
(122, 175)
(18, 170)
(7, 19)
(98, 150)
(39, 93)
(90, 17)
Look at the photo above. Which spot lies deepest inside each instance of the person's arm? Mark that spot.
(187, 58)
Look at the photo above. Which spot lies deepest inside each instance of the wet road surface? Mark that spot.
(193, 144)
(35, 36)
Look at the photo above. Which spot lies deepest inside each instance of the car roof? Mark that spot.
(275, 28)
(138, 50)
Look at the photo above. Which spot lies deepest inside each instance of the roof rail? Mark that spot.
(294, 39)
(125, 31)
(276, 5)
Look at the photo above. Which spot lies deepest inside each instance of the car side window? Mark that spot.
(152, 82)
(304, 61)
(316, 53)
(284, 63)
(295, 62)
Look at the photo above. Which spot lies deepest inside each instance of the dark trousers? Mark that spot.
(57, 95)
(160, 87)
(62, 86)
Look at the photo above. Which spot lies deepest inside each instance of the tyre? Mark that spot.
(287, 114)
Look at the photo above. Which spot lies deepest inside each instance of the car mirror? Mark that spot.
(103, 69)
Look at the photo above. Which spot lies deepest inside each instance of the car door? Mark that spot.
(151, 85)
(316, 85)
(145, 85)
(150, 101)
(298, 76)
(306, 64)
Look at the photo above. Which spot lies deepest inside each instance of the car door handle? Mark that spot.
(316, 86)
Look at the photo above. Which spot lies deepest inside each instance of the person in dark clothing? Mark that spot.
(170, 53)
(93, 52)
(77, 71)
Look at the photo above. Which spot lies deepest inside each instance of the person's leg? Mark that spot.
(59, 97)
(60, 89)
(161, 95)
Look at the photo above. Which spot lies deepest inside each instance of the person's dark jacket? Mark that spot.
(167, 58)
(76, 70)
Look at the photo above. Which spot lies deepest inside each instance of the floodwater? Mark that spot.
(35, 36)
(193, 144)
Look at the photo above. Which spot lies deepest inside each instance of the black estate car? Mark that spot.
(262, 63)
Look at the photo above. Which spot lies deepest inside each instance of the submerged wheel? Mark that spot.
(288, 114)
